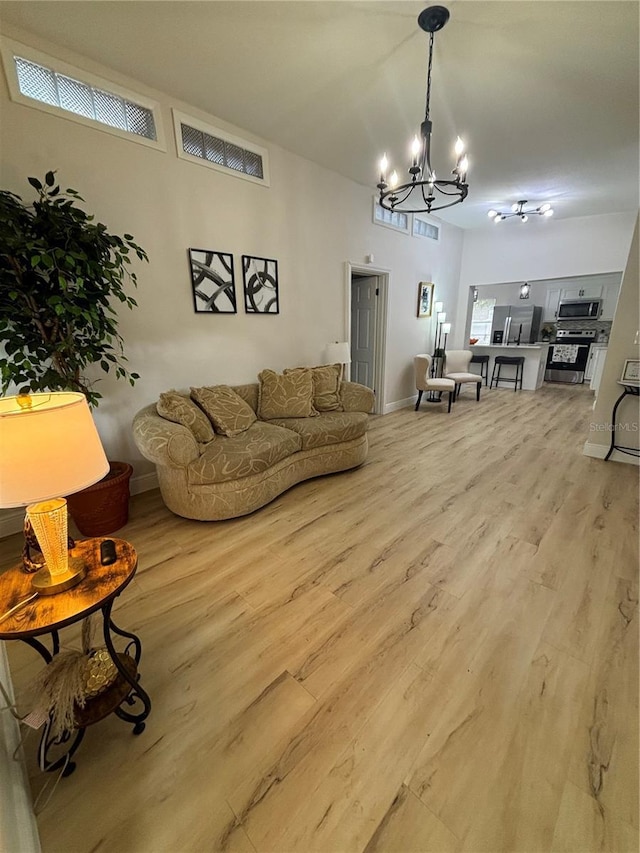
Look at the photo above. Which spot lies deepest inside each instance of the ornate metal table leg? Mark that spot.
(47, 741)
(130, 674)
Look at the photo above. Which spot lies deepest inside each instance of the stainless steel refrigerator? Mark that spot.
(516, 324)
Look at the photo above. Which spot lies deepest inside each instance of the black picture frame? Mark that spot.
(260, 282)
(213, 283)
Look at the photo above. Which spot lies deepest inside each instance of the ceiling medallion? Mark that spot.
(518, 209)
(424, 192)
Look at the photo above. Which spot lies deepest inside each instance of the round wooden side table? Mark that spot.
(47, 615)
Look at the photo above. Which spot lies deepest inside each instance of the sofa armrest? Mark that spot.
(356, 397)
(162, 441)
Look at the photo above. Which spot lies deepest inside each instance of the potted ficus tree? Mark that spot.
(62, 276)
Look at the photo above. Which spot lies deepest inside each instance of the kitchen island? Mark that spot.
(535, 361)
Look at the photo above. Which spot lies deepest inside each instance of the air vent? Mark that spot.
(218, 149)
(76, 96)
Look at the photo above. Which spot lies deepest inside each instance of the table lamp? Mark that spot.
(338, 353)
(49, 446)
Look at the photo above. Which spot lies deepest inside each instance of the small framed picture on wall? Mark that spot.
(425, 299)
(260, 279)
(212, 282)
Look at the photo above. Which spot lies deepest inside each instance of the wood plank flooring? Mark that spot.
(437, 652)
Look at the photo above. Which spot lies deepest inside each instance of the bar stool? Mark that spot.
(516, 361)
(483, 361)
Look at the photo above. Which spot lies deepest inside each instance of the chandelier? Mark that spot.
(424, 192)
(518, 209)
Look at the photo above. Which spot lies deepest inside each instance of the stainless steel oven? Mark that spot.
(568, 356)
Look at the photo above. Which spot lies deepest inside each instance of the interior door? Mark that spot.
(364, 312)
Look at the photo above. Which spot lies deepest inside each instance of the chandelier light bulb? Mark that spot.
(459, 148)
(464, 165)
(498, 217)
(393, 179)
(544, 207)
(548, 212)
(384, 165)
(524, 217)
(415, 148)
(515, 207)
(492, 214)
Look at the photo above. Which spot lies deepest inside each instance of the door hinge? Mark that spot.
(377, 291)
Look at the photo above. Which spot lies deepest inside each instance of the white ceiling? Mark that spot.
(544, 93)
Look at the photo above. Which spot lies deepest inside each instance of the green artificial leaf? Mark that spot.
(49, 179)
(35, 183)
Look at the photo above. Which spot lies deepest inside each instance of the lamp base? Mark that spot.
(45, 584)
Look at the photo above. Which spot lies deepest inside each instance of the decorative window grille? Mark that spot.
(58, 90)
(46, 83)
(390, 218)
(423, 228)
(213, 147)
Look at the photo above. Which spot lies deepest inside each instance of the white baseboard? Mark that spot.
(599, 451)
(399, 404)
(143, 483)
(11, 520)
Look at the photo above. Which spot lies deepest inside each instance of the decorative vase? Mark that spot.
(103, 508)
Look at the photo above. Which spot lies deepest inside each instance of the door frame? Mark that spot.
(380, 342)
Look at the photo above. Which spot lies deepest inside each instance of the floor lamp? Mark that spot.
(50, 447)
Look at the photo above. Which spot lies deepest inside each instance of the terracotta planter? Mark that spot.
(103, 508)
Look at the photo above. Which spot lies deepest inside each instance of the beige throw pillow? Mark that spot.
(181, 410)
(326, 386)
(286, 395)
(226, 410)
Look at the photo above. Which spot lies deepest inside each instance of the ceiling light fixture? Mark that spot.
(518, 209)
(425, 192)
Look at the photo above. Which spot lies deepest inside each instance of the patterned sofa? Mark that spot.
(230, 475)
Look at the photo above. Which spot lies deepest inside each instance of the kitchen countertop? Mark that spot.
(512, 346)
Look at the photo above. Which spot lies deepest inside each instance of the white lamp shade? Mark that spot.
(47, 449)
(338, 353)
(446, 328)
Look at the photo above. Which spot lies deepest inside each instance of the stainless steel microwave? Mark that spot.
(579, 309)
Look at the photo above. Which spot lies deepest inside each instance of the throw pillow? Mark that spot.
(226, 410)
(181, 410)
(326, 386)
(286, 395)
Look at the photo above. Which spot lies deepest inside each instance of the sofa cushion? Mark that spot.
(326, 386)
(228, 412)
(255, 450)
(179, 409)
(249, 394)
(287, 395)
(328, 428)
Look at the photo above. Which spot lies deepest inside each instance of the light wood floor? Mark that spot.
(435, 652)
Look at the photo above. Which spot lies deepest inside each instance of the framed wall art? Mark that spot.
(212, 282)
(425, 298)
(260, 279)
(631, 371)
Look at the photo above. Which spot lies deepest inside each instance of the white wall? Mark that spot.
(541, 249)
(623, 344)
(310, 219)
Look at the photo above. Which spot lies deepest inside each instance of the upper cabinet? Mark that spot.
(550, 313)
(609, 301)
(586, 292)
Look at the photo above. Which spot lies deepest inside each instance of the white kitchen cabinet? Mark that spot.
(599, 356)
(589, 291)
(609, 302)
(591, 362)
(550, 312)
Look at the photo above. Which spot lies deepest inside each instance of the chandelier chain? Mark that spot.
(426, 106)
